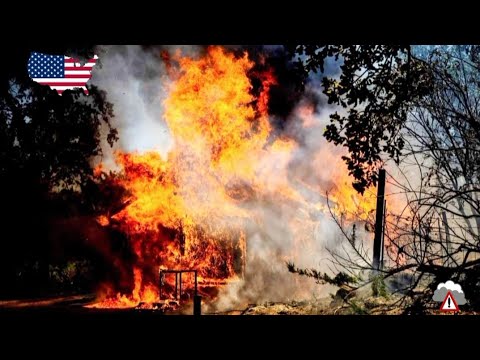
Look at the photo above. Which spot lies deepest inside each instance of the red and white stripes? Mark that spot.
(76, 76)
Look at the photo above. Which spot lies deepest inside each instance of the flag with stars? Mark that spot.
(60, 72)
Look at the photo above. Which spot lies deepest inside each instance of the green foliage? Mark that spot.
(357, 309)
(52, 136)
(322, 278)
(439, 89)
(377, 86)
(378, 287)
(70, 275)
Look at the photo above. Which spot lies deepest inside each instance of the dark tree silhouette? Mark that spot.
(377, 86)
(47, 143)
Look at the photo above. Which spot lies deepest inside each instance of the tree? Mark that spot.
(377, 86)
(47, 143)
(443, 135)
(437, 235)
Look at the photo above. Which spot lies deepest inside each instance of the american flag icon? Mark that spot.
(60, 72)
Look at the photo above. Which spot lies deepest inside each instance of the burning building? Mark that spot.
(233, 196)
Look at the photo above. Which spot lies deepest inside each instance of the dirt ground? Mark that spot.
(327, 306)
(57, 301)
(363, 304)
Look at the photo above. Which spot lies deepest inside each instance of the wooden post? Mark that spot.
(161, 283)
(378, 240)
(176, 285)
(447, 236)
(197, 300)
(180, 286)
(382, 257)
(197, 305)
(477, 218)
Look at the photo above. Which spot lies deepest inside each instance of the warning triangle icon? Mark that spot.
(449, 304)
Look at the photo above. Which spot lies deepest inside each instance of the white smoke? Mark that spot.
(293, 231)
(135, 80)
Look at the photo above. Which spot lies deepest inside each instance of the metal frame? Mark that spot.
(178, 281)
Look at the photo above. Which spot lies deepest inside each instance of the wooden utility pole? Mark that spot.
(448, 248)
(378, 240)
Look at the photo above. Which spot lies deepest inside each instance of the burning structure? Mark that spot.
(232, 197)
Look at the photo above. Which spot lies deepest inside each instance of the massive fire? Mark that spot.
(192, 209)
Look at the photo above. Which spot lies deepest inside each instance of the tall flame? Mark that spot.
(190, 209)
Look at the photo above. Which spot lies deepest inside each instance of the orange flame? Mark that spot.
(188, 210)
